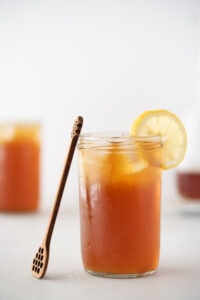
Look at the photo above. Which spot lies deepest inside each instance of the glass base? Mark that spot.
(122, 276)
(188, 206)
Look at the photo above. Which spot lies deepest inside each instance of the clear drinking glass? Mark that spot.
(188, 173)
(19, 166)
(119, 187)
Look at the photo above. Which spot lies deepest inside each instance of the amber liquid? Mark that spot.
(120, 214)
(19, 173)
(189, 185)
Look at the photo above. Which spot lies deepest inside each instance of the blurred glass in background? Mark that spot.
(19, 166)
(188, 174)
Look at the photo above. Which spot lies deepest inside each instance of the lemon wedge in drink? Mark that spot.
(171, 130)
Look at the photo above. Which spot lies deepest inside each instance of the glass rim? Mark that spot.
(92, 136)
(108, 140)
(23, 123)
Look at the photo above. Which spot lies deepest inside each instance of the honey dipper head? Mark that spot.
(77, 126)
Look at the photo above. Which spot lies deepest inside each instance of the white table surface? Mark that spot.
(178, 276)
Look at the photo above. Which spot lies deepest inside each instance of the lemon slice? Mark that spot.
(171, 130)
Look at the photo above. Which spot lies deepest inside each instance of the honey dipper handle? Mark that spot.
(74, 139)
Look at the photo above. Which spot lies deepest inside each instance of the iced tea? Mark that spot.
(189, 185)
(19, 167)
(120, 185)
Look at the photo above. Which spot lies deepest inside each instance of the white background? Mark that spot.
(105, 60)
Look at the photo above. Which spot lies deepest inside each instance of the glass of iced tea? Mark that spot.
(19, 166)
(120, 187)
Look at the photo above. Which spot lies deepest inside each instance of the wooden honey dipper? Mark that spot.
(41, 259)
